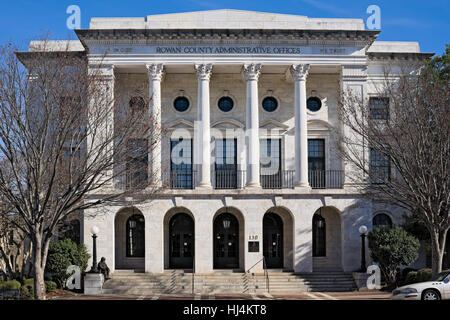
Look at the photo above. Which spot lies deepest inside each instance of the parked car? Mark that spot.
(437, 289)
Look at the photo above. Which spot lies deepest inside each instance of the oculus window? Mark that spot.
(225, 104)
(313, 104)
(181, 104)
(270, 104)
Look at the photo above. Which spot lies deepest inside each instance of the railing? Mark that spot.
(229, 179)
(326, 179)
(134, 180)
(266, 273)
(283, 179)
(234, 179)
(181, 179)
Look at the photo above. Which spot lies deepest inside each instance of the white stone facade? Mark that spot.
(290, 58)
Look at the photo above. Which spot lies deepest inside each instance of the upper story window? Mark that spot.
(226, 154)
(270, 150)
(225, 104)
(137, 162)
(181, 164)
(313, 104)
(380, 168)
(379, 108)
(382, 220)
(137, 104)
(316, 154)
(270, 104)
(271, 176)
(181, 104)
(226, 164)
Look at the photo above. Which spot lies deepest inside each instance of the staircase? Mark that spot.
(175, 282)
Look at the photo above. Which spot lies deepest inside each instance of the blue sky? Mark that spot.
(401, 20)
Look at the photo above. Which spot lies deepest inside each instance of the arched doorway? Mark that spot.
(226, 241)
(273, 240)
(327, 240)
(181, 237)
(129, 230)
(135, 236)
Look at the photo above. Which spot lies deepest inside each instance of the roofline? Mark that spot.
(400, 55)
(22, 56)
(145, 34)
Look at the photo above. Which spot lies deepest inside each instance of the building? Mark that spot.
(259, 175)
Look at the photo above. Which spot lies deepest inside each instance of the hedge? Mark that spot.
(10, 285)
(421, 275)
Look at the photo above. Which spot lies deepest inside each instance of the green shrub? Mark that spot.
(50, 286)
(10, 285)
(424, 275)
(61, 255)
(28, 282)
(411, 277)
(392, 247)
(27, 292)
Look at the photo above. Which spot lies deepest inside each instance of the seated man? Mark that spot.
(103, 268)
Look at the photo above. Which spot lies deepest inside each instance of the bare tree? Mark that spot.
(399, 147)
(62, 152)
(15, 247)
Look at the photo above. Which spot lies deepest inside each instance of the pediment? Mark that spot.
(274, 124)
(319, 125)
(227, 124)
(180, 124)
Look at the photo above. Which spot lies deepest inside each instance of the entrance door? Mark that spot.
(273, 240)
(226, 242)
(181, 242)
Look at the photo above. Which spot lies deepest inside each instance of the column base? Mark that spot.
(204, 185)
(253, 185)
(302, 186)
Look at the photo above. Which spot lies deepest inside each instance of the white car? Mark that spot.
(437, 289)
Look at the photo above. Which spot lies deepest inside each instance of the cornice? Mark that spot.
(176, 36)
(399, 56)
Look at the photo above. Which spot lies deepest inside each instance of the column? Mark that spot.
(353, 82)
(300, 72)
(203, 117)
(155, 73)
(101, 115)
(252, 72)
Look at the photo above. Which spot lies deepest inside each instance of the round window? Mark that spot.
(270, 104)
(181, 104)
(225, 104)
(314, 104)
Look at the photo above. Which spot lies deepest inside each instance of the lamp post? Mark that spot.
(94, 231)
(363, 231)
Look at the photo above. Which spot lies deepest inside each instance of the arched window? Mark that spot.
(382, 220)
(135, 236)
(319, 236)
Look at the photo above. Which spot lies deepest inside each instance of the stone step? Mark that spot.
(228, 282)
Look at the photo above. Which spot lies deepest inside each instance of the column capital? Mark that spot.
(102, 72)
(155, 71)
(204, 71)
(252, 71)
(300, 71)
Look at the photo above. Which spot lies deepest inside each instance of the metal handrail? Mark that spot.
(266, 273)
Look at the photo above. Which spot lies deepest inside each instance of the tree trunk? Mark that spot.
(39, 286)
(437, 250)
